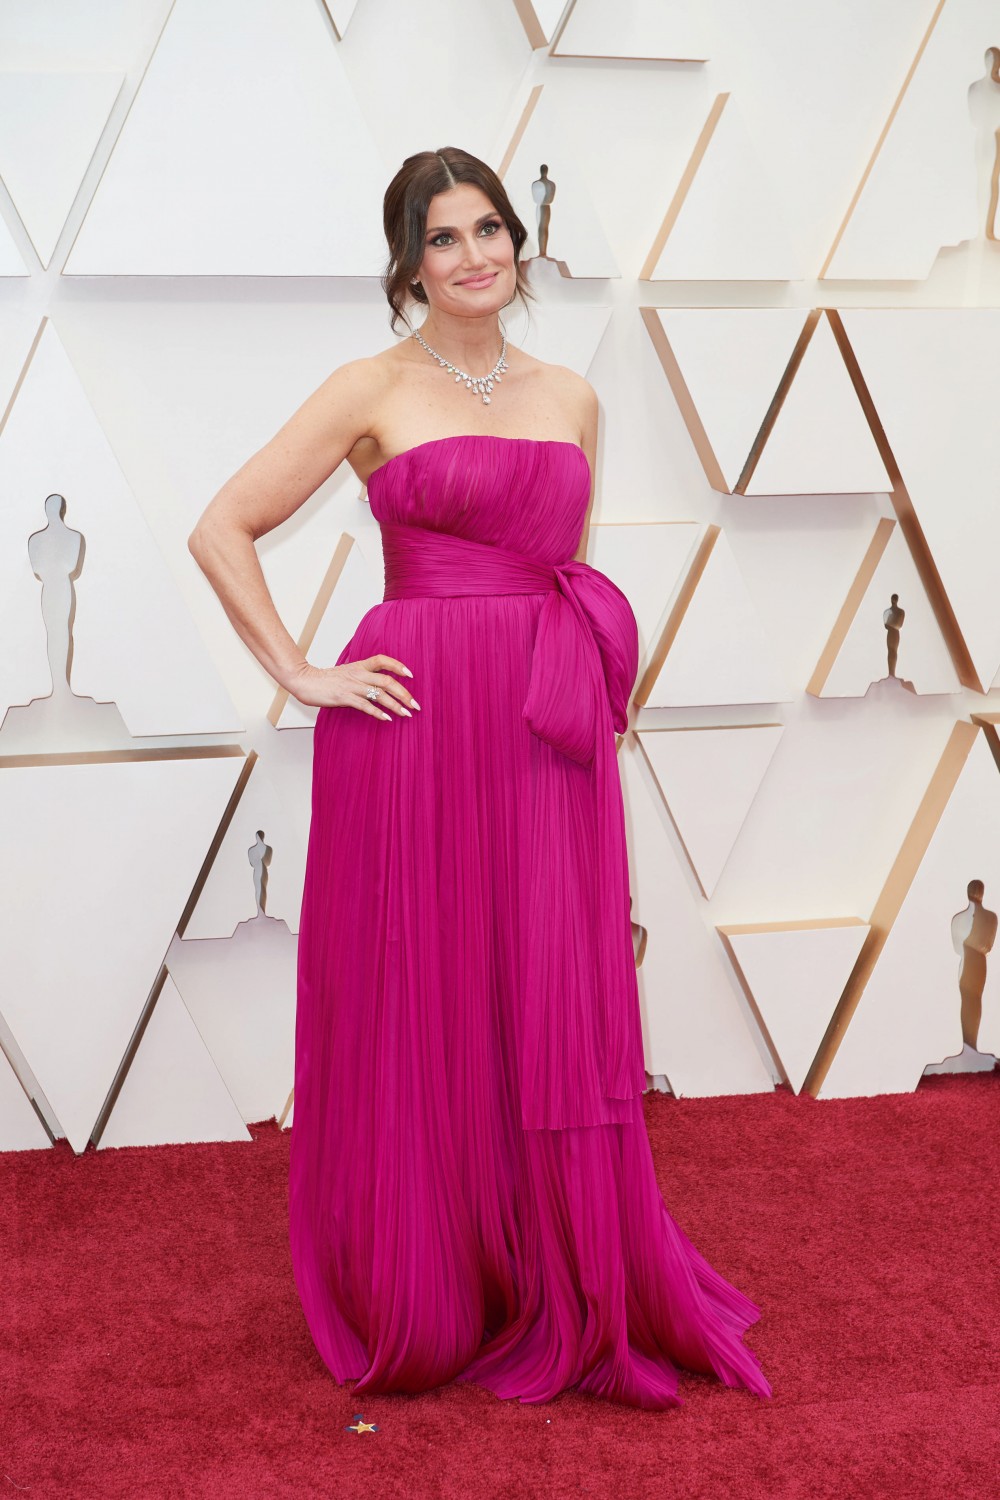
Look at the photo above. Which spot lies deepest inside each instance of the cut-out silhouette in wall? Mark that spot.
(973, 933)
(984, 107)
(241, 992)
(543, 190)
(259, 855)
(892, 619)
(57, 554)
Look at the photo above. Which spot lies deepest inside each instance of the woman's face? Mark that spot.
(468, 264)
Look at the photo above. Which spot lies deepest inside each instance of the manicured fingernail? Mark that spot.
(406, 711)
(415, 703)
(387, 716)
(407, 671)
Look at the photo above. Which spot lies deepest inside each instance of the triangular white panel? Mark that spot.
(821, 443)
(660, 30)
(104, 856)
(729, 364)
(20, 1127)
(919, 191)
(576, 234)
(569, 334)
(241, 992)
(796, 975)
(50, 124)
(250, 120)
(933, 374)
(695, 1028)
(228, 895)
(731, 225)
(909, 1013)
(11, 260)
(172, 1093)
(721, 652)
(922, 659)
(341, 13)
(709, 778)
(134, 642)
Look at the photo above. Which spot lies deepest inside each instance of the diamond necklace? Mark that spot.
(479, 384)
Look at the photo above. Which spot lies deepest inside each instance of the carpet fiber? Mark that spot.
(153, 1343)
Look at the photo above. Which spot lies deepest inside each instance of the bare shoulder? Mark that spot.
(579, 390)
(363, 379)
(563, 391)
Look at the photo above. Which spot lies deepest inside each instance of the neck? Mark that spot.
(473, 344)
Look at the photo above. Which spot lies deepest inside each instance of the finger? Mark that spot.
(382, 663)
(392, 695)
(368, 707)
(390, 686)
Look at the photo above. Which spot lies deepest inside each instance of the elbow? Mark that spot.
(200, 545)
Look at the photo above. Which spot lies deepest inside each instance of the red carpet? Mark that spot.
(153, 1343)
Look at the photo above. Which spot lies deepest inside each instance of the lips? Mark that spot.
(475, 281)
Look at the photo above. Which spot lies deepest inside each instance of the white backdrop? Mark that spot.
(771, 251)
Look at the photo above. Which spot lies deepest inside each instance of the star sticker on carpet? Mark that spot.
(360, 1425)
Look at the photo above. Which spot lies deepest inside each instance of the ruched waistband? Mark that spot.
(586, 652)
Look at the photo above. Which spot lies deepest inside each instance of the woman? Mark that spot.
(472, 1193)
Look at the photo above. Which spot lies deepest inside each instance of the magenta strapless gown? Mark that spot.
(472, 1193)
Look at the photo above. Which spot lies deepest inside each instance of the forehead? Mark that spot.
(458, 206)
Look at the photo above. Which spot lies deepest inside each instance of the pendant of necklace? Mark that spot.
(480, 385)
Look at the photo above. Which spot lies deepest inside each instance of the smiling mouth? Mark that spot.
(479, 280)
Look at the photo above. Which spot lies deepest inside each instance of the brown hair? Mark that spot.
(404, 219)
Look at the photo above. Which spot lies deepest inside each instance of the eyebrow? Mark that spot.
(481, 220)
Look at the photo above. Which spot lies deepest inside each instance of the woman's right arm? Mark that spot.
(269, 488)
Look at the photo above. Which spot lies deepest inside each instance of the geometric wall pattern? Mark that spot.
(796, 488)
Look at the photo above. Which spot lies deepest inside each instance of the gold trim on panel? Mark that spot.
(223, 828)
(755, 1009)
(669, 632)
(851, 605)
(778, 400)
(893, 894)
(881, 141)
(533, 29)
(703, 445)
(803, 924)
(518, 133)
(909, 522)
(561, 25)
(611, 56)
(128, 1057)
(683, 187)
(106, 757)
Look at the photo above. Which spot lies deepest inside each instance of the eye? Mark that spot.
(495, 224)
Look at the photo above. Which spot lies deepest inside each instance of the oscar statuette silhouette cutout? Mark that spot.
(973, 933)
(62, 720)
(984, 107)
